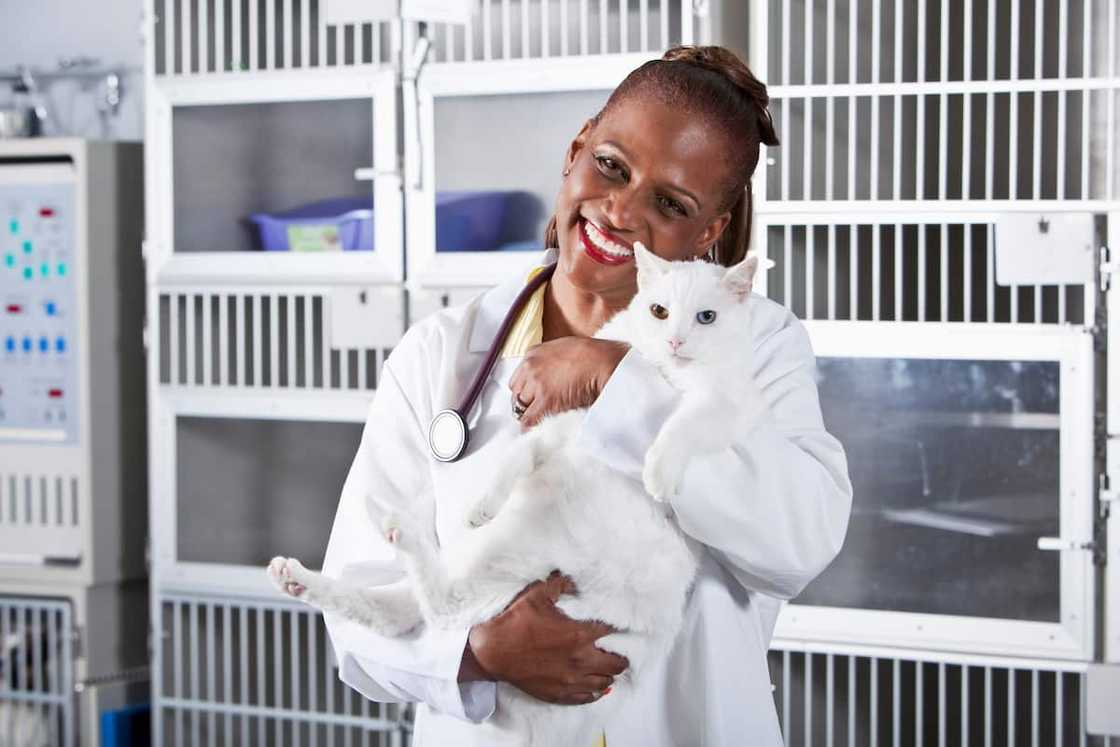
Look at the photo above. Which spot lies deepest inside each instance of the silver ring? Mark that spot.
(519, 407)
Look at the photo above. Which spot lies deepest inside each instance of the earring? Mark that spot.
(566, 172)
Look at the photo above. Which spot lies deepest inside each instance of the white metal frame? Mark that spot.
(168, 572)
(192, 25)
(1110, 507)
(898, 217)
(382, 266)
(1073, 636)
(571, 33)
(428, 268)
(863, 690)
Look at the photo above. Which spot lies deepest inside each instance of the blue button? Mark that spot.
(28, 273)
(52, 309)
(27, 344)
(44, 344)
(60, 344)
(27, 247)
(62, 268)
(14, 225)
(10, 344)
(10, 259)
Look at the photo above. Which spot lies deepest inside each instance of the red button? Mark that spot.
(54, 393)
(14, 308)
(46, 212)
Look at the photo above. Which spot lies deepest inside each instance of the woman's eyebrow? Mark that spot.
(670, 187)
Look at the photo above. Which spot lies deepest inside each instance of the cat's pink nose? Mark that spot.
(675, 343)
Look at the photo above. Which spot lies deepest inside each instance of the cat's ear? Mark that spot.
(650, 266)
(739, 279)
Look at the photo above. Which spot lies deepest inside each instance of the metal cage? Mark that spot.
(257, 673)
(37, 702)
(846, 699)
(209, 37)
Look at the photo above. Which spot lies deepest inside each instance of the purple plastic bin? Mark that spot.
(465, 221)
(469, 220)
(352, 215)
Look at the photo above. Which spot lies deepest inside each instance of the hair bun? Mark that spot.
(728, 64)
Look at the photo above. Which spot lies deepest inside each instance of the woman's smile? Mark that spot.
(603, 247)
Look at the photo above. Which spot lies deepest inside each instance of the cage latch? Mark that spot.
(1061, 544)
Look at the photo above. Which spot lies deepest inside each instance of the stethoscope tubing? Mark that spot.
(470, 398)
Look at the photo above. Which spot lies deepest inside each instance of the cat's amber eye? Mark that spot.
(659, 311)
(706, 317)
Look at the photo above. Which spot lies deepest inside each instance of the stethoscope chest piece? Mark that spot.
(447, 435)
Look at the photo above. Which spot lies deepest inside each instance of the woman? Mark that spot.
(668, 163)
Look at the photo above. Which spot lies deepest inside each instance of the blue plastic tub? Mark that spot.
(465, 221)
(126, 727)
(353, 217)
(470, 221)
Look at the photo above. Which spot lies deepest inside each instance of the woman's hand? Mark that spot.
(540, 650)
(564, 374)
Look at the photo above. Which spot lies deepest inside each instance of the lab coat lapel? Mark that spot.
(494, 305)
(491, 422)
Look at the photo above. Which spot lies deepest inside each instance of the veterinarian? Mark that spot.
(666, 162)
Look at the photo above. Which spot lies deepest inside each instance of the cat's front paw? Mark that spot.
(481, 513)
(662, 472)
(287, 575)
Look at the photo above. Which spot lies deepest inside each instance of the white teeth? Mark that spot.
(604, 244)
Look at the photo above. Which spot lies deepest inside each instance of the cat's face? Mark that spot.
(690, 313)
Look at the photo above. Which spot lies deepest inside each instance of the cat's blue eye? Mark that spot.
(706, 317)
(659, 311)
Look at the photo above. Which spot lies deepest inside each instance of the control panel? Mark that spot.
(39, 311)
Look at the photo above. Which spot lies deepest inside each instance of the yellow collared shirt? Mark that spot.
(528, 330)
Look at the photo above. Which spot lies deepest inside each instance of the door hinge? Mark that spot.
(1106, 496)
(1107, 268)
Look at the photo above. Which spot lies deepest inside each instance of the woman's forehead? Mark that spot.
(666, 143)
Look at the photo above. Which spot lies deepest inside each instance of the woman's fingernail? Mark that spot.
(607, 691)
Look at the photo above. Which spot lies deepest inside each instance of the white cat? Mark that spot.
(627, 556)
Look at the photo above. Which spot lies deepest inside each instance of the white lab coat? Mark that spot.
(772, 510)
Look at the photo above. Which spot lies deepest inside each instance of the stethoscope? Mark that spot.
(448, 434)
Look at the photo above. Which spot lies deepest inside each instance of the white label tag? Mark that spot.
(441, 11)
(358, 11)
(365, 317)
(1044, 248)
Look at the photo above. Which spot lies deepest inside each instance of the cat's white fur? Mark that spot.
(554, 506)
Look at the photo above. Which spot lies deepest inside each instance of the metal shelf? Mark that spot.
(272, 268)
(334, 406)
(243, 87)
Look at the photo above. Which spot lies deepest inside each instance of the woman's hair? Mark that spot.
(712, 83)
